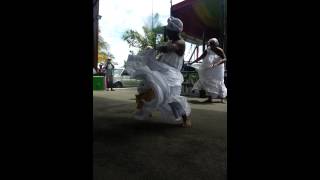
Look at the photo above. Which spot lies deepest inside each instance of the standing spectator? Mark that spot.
(109, 70)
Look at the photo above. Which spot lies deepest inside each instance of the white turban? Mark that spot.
(174, 24)
(214, 40)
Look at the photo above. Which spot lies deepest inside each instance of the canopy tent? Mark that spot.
(202, 19)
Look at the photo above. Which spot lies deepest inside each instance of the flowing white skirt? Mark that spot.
(166, 83)
(212, 81)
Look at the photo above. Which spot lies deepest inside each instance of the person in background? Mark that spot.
(109, 70)
(211, 71)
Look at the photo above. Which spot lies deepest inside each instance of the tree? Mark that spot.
(103, 49)
(152, 35)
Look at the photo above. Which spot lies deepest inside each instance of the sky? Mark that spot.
(120, 15)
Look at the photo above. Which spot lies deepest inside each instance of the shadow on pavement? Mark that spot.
(203, 102)
(125, 148)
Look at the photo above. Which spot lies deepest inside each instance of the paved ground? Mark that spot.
(125, 148)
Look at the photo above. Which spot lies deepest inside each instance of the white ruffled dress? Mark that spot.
(211, 79)
(164, 77)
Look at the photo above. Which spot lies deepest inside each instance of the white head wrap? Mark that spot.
(174, 24)
(214, 40)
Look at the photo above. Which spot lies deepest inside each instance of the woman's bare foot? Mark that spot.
(186, 121)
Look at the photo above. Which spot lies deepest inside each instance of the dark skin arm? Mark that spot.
(201, 57)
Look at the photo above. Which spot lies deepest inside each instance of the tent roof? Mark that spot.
(200, 17)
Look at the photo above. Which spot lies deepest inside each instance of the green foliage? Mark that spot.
(151, 37)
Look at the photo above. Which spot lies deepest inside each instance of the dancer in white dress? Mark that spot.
(211, 71)
(161, 79)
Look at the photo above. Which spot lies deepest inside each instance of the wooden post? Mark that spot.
(165, 34)
(197, 52)
(95, 32)
(225, 27)
(170, 8)
(203, 42)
